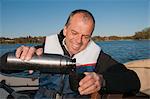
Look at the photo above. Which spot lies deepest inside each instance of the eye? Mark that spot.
(74, 32)
(87, 37)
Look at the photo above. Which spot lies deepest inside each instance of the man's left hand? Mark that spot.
(91, 83)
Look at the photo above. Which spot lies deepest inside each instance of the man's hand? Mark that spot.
(91, 83)
(26, 53)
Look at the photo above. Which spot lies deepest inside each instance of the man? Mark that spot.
(102, 73)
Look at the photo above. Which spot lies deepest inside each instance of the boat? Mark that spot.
(25, 85)
(142, 68)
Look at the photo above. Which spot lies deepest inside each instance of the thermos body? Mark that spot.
(48, 63)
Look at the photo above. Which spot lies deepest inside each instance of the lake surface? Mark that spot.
(122, 51)
(125, 51)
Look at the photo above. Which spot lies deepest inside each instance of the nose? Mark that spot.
(79, 38)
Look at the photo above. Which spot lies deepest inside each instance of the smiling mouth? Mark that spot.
(76, 47)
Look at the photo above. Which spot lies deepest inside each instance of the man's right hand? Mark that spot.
(26, 52)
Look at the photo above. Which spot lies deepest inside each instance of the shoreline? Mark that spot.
(93, 40)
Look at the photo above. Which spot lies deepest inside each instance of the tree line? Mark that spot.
(22, 40)
(144, 34)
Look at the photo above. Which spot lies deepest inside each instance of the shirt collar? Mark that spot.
(64, 44)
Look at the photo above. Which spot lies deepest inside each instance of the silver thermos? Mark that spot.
(47, 63)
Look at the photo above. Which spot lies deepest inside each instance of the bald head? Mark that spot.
(85, 17)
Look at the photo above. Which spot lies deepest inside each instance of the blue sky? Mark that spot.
(20, 18)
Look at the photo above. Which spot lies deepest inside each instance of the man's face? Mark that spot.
(78, 34)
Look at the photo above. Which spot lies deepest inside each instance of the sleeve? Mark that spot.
(118, 79)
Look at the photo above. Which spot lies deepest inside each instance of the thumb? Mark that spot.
(39, 51)
(30, 71)
(88, 73)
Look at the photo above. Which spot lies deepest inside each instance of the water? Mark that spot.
(122, 51)
(125, 51)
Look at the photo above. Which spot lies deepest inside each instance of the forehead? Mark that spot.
(82, 17)
(81, 24)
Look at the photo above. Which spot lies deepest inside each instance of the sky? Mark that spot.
(21, 18)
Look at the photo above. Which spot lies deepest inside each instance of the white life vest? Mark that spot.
(87, 57)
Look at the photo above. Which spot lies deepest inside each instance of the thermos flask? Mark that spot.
(47, 63)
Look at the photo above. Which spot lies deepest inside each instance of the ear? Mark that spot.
(65, 30)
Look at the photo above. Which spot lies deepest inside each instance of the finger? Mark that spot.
(19, 51)
(87, 84)
(86, 78)
(39, 51)
(93, 88)
(87, 73)
(88, 90)
(31, 71)
(30, 53)
(24, 52)
(93, 74)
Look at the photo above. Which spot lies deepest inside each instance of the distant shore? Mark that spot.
(142, 35)
(40, 40)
